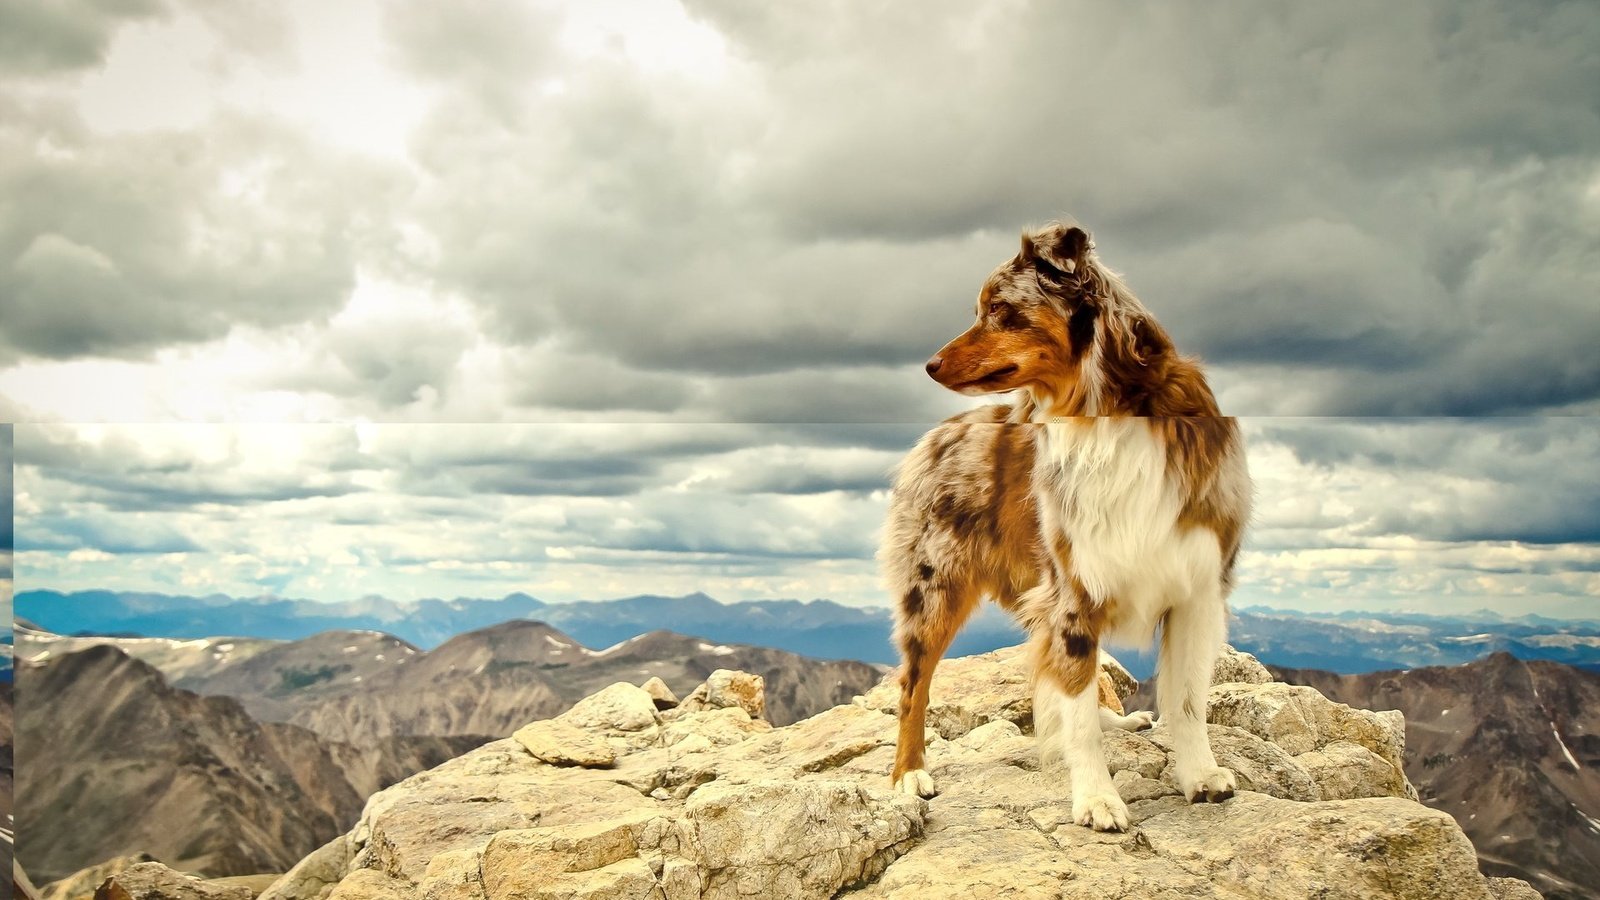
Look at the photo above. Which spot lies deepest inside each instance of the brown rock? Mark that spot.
(726, 688)
(561, 744)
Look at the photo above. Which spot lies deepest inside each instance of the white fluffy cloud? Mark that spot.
(1429, 515)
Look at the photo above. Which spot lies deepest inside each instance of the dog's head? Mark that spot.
(1034, 322)
(1042, 324)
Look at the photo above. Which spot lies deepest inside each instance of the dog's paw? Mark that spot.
(1102, 812)
(1212, 785)
(1134, 721)
(917, 783)
(1138, 721)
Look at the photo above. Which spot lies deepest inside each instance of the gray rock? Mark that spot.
(82, 883)
(1236, 666)
(1300, 720)
(620, 707)
(591, 860)
(659, 692)
(806, 839)
(154, 881)
(1257, 764)
(967, 692)
(370, 884)
(713, 803)
(1122, 681)
(1260, 846)
(1345, 771)
(453, 875)
(313, 878)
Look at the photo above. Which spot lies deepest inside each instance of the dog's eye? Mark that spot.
(994, 306)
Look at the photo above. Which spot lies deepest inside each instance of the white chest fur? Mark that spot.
(1104, 484)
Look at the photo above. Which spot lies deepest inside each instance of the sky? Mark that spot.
(590, 299)
(718, 211)
(5, 523)
(1419, 515)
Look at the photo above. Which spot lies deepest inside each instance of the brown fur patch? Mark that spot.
(1070, 658)
(911, 604)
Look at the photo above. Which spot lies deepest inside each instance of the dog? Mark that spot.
(1107, 501)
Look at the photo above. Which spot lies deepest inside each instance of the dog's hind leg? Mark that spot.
(1191, 638)
(930, 615)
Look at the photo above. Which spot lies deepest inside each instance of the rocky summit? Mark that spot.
(620, 798)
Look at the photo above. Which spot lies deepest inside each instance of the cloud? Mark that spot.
(1294, 209)
(121, 245)
(110, 535)
(1521, 480)
(7, 504)
(1391, 514)
(176, 468)
(718, 212)
(41, 38)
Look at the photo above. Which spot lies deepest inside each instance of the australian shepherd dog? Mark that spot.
(1106, 502)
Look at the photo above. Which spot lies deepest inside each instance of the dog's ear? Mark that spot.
(1057, 248)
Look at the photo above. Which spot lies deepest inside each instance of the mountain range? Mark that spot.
(1346, 642)
(115, 761)
(361, 685)
(238, 756)
(1510, 748)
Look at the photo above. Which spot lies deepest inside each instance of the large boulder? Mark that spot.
(967, 692)
(620, 707)
(1238, 667)
(789, 839)
(563, 744)
(727, 689)
(1324, 736)
(707, 800)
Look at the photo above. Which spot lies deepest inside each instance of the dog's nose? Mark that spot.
(934, 364)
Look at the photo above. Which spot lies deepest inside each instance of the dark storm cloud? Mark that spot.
(1408, 207)
(117, 246)
(871, 436)
(7, 501)
(865, 395)
(807, 470)
(582, 382)
(569, 477)
(1347, 209)
(125, 476)
(41, 38)
(69, 36)
(1428, 509)
(611, 460)
(107, 533)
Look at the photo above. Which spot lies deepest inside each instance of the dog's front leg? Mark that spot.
(1190, 642)
(1066, 710)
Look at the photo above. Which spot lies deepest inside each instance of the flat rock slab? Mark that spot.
(561, 744)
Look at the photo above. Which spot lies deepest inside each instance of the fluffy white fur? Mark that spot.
(1105, 483)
